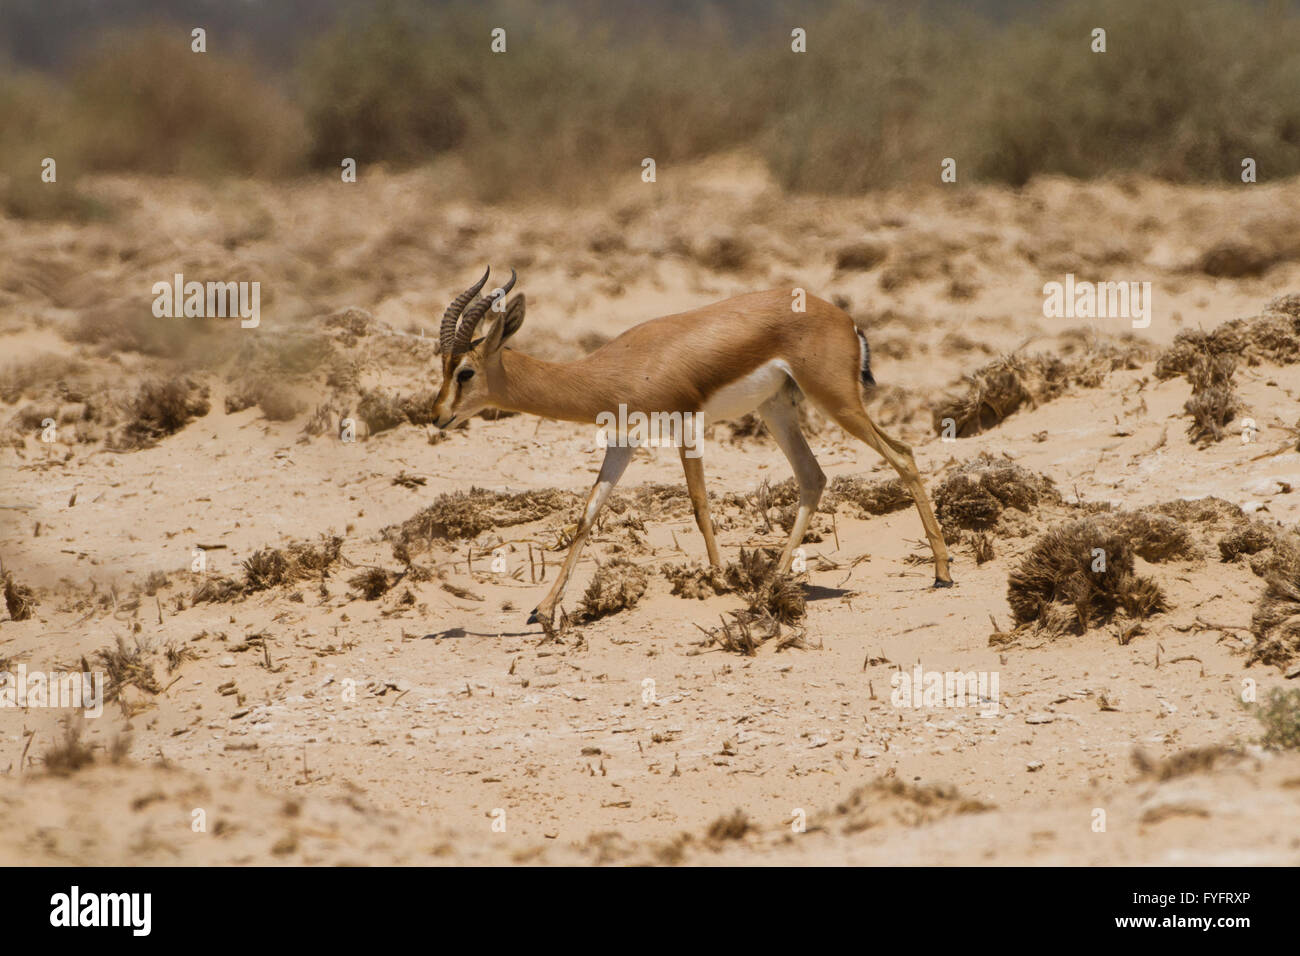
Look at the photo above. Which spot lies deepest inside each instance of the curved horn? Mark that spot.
(474, 314)
(447, 336)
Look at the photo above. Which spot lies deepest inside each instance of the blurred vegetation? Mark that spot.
(1184, 91)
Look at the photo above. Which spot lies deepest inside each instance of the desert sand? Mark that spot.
(430, 724)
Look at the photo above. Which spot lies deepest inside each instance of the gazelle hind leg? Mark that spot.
(899, 454)
(782, 420)
(611, 470)
(694, 468)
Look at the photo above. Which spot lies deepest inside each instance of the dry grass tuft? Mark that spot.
(271, 567)
(869, 497)
(1003, 386)
(734, 826)
(778, 596)
(1276, 621)
(71, 753)
(695, 580)
(617, 586)
(1248, 538)
(889, 800)
(373, 583)
(1194, 760)
(1076, 576)
(981, 545)
(276, 402)
(461, 515)
(216, 590)
(1154, 536)
(20, 600)
(974, 495)
(656, 498)
(127, 666)
(162, 408)
(1273, 336)
(1214, 400)
(380, 411)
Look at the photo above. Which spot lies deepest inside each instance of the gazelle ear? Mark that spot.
(506, 325)
(514, 317)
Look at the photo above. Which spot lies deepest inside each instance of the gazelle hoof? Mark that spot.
(940, 583)
(533, 618)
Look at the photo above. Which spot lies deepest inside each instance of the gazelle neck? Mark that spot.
(568, 391)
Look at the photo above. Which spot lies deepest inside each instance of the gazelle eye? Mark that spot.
(464, 375)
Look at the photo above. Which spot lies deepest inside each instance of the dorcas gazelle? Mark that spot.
(749, 353)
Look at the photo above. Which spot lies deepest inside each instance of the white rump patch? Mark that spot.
(746, 394)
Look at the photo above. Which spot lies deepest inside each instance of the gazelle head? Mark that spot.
(471, 367)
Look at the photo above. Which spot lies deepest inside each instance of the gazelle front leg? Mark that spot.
(611, 470)
(694, 468)
(899, 454)
(782, 420)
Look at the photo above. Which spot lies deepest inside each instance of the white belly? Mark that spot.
(746, 394)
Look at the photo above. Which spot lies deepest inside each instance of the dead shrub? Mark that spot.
(71, 753)
(1155, 537)
(1235, 260)
(889, 800)
(999, 389)
(869, 497)
(1214, 401)
(655, 498)
(20, 600)
(974, 495)
(1076, 576)
(126, 666)
(271, 567)
(981, 545)
(617, 585)
(724, 254)
(460, 515)
(1249, 538)
(276, 402)
(162, 408)
(1184, 762)
(695, 580)
(1276, 621)
(216, 590)
(372, 583)
(732, 827)
(860, 256)
(748, 425)
(767, 594)
(380, 411)
(1273, 336)
(418, 408)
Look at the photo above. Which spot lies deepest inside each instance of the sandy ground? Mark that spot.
(310, 725)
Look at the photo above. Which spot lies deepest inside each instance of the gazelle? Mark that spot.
(751, 352)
